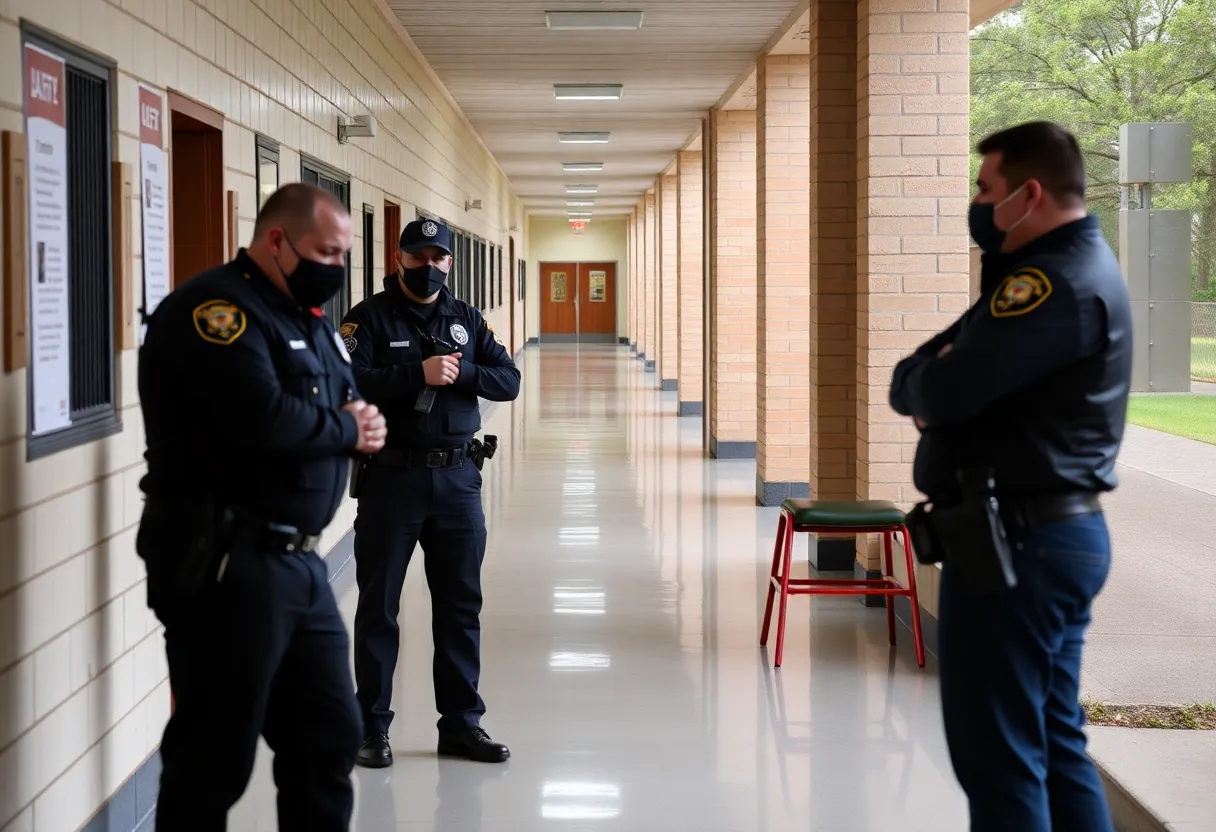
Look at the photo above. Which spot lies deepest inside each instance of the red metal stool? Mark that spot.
(832, 517)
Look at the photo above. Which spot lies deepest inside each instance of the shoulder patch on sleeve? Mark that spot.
(346, 333)
(1020, 293)
(490, 330)
(219, 321)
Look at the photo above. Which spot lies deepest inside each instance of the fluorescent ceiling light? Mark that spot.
(582, 21)
(583, 138)
(578, 214)
(581, 190)
(587, 92)
(582, 167)
(580, 203)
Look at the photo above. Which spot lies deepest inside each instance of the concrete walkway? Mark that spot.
(1154, 634)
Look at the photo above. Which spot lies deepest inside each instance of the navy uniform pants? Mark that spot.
(260, 650)
(441, 509)
(1010, 677)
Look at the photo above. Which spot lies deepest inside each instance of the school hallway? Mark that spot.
(624, 589)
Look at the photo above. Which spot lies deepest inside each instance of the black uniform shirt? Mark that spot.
(389, 336)
(1036, 383)
(241, 393)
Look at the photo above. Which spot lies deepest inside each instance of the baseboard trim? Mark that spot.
(731, 450)
(775, 493)
(691, 409)
(669, 385)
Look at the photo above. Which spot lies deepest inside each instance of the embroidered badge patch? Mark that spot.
(219, 321)
(459, 334)
(429, 229)
(490, 330)
(347, 331)
(1019, 293)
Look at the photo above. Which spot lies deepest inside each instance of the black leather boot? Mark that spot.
(473, 743)
(375, 752)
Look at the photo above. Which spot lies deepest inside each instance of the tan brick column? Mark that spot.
(669, 311)
(833, 245)
(912, 260)
(631, 291)
(783, 291)
(691, 285)
(732, 253)
(652, 281)
(642, 280)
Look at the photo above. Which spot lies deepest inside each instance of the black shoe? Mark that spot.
(473, 744)
(375, 752)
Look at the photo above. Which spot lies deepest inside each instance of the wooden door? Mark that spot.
(392, 236)
(558, 287)
(597, 299)
(196, 202)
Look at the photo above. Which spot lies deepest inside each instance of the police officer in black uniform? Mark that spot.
(1022, 405)
(425, 358)
(252, 418)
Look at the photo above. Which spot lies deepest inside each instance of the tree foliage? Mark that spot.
(1093, 65)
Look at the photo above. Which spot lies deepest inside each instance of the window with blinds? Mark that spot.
(93, 359)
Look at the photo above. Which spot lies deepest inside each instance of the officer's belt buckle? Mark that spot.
(437, 459)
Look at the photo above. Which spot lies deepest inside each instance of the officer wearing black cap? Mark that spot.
(1022, 405)
(252, 417)
(425, 358)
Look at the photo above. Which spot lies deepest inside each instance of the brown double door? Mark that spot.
(578, 301)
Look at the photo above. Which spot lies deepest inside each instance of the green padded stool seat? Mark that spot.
(844, 513)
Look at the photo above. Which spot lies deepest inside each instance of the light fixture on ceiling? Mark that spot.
(593, 20)
(583, 138)
(581, 190)
(580, 203)
(588, 92)
(582, 167)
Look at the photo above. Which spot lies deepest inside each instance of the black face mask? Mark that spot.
(313, 283)
(424, 281)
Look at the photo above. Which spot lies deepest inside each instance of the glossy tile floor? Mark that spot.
(624, 589)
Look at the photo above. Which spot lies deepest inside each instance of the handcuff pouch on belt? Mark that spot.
(968, 535)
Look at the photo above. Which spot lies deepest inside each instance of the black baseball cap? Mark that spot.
(420, 234)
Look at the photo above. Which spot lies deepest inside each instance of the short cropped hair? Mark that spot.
(1043, 151)
(293, 208)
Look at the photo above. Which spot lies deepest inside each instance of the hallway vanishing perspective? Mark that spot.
(624, 586)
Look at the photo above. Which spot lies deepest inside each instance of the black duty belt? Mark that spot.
(411, 458)
(1031, 512)
(272, 536)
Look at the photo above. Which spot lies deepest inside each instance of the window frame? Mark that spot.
(313, 165)
(369, 250)
(106, 419)
(266, 149)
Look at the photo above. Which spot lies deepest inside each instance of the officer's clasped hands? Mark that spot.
(372, 428)
(441, 370)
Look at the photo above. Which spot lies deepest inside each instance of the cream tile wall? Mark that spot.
(83, 682)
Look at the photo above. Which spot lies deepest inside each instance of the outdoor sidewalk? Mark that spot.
(1154, 634)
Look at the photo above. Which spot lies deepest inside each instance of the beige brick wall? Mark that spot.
(653, 346)
(833, 245)
(783, 219)
(690, 242)
(669, 310)
(632, 315)
(913, 265)
(83, 682)
(732, 413)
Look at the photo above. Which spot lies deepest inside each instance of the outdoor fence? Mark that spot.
(1203, 341)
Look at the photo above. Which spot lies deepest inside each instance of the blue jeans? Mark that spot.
(1010, 677)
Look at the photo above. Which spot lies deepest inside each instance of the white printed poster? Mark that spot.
(46, 131)
(154, 202)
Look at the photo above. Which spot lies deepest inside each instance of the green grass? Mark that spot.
(1203, 359)
(1192, 416)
